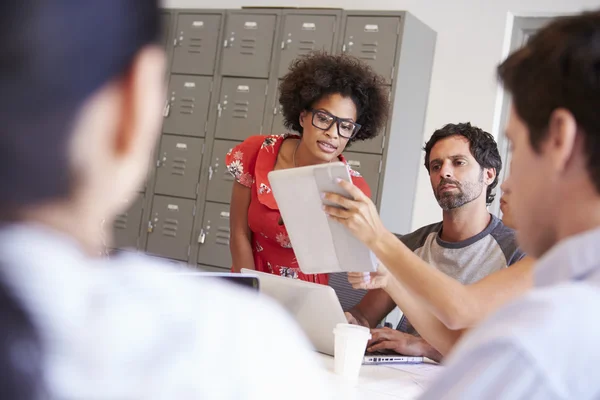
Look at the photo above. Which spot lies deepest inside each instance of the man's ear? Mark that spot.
(489, 174)
(125, 133)
(561, 138)
(142, 90)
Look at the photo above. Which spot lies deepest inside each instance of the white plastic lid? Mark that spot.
(352, 330)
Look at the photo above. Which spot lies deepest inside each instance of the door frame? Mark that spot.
(520, 28)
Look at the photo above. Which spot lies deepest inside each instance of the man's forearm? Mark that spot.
(430, 352)
(443, 296)
(428, 326)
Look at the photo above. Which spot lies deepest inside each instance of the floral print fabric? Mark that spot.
(250, 163)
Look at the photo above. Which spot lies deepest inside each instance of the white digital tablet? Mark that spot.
(321, 245)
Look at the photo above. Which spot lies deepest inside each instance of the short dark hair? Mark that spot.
(56, 54)
(481, 143)
(559, 68)
(318, 74)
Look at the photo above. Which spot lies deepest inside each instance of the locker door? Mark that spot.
(220, 181)
(303, 34)
(373, 40)
(214, 236)
(277, 127)
(195, 44)
(208, 268)
(186, 110)
(170, 227)
(241, 108)
(248, 45)
(165, 19)
(374, 145)
(126, 228)
(178, 166)
(369, 166)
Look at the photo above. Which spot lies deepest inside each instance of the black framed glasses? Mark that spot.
(324, 120)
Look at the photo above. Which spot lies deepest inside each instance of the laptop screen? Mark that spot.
(249, 282)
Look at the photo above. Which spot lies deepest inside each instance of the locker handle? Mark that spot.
(175, 42)
(210, 172)
(150, 227)
(167, 109)
(344, 48)
(219, 109)
(202, 237)
(225, 43)
(282, 45)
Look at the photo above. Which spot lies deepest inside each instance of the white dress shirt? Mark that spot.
(544, 345)
(131, 329)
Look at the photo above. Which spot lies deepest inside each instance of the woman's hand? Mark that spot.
(370, 281)
(358, 214)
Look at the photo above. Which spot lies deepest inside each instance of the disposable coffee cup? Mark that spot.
(350, 345)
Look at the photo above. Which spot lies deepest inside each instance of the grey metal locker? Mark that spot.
(214, 236)
(241, 108)
(186, 108)
(373, 39)
(220, 181)
(170, 227)
(126, 228)
(277, 127)
(304, 33)
(182, 266)
(374, 145)
(369, 166)
(178, 166)
(196, 41)
(248, 45)
(165, 19)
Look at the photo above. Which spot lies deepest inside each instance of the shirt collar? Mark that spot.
(574, 258)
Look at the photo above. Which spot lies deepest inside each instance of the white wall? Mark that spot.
(471, 36)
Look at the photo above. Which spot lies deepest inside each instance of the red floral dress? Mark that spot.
(250, 162)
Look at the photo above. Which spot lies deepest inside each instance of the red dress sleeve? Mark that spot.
(241, 160)
(361, 183)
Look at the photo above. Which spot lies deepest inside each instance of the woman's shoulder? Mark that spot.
(251, 147)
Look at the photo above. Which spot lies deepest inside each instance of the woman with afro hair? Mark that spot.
(329, 101)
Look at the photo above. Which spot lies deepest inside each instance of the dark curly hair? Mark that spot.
(482, 145)
(320, 74)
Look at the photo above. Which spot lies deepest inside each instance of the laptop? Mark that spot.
(246, 281)
(317, 311)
